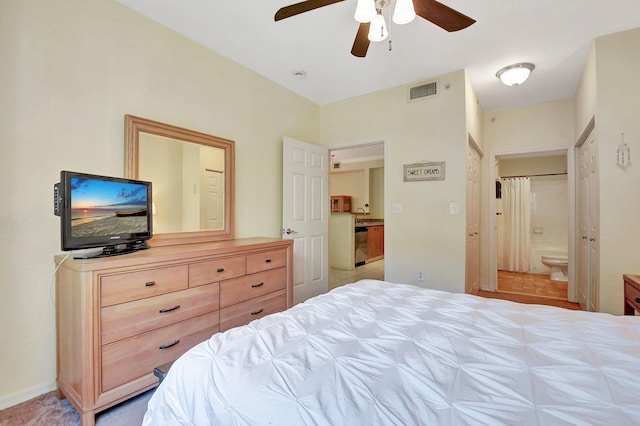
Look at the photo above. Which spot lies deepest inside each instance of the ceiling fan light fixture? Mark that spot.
(365, 11)
(515, 74)
(378, 29)
(404, 12)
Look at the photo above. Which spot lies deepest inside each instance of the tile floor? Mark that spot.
(531, 284)
(373, 270)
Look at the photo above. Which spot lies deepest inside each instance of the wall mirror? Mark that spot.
(193, 180)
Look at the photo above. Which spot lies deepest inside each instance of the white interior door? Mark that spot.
(212, 200)
(588, 270)
(472, 276)
(305, 215)
(594, 226)
(583, 226)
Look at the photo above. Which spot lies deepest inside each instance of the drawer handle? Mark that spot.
(169, 345)
(220, 270)
(150, 283)
(162, 311)
(637, 299)
(257, 312)
(257, 285)
(268, 260)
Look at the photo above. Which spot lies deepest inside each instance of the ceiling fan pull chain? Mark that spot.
(389, 45)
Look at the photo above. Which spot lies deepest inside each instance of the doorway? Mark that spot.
(545, 266)
(358, 172)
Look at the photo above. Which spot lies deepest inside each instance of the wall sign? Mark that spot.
(424, 171)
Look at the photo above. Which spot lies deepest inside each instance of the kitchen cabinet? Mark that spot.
(341, 203)
(375, 242)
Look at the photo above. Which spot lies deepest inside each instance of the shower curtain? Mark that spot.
(516, 206)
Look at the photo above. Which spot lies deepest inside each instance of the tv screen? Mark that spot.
(102, 211)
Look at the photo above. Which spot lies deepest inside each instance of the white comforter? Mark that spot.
(375, 353)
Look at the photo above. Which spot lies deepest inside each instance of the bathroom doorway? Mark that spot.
(357, 172)
(533, 222)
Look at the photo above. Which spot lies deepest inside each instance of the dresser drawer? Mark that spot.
(216, 270)
(128, 286)
(128, 359)
(632, 296)
(245, 312)
(266, 260)
(244, 288)
(128, 319)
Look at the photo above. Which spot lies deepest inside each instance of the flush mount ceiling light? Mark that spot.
(516, 74)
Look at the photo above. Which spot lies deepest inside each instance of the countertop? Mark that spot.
(369, 223)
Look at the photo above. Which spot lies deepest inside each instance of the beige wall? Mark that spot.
(474, 115)
(537, 127)
(424, 236)
(71, 71)
(364, 182)
(533, 165)
(586, 95)
(349, 182)
(376, 191)
(617, 112)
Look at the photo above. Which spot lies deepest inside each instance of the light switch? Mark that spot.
(396, 208)
(453, 208)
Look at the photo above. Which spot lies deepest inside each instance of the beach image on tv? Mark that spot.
(100, 208)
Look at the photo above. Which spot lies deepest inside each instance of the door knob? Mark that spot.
(290, 231)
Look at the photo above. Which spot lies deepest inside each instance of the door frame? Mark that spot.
(571, 188)
(385, 161)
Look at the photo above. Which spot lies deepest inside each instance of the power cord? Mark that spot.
(53, 279)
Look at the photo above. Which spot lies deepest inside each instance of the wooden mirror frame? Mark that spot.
(136, 125)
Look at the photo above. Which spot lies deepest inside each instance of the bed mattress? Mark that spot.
(377, 353)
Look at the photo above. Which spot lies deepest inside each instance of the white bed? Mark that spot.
(376, 353)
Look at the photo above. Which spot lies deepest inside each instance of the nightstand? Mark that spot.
(631, 294)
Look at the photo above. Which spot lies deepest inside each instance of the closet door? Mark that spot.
(472, 279)
(594, 225)
(583, 227)
(588, 267)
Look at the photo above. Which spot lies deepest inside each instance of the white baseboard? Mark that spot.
(25, 395)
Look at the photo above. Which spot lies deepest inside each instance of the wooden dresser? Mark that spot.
(119, 317)
(631, 294)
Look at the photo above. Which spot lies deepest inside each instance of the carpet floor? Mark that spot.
(48, 410)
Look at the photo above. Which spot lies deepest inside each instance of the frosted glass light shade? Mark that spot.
(378, 29)
(365, 11)
(404, 12)
(516, 74)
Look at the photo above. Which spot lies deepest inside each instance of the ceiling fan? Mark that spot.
(431, 10)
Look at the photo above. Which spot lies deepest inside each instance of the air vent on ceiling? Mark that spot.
(424, 90)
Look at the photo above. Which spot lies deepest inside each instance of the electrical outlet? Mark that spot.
(420, 276)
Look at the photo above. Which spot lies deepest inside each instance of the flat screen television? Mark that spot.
(111, 213)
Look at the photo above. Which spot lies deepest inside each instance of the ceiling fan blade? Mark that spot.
(303, 6)
(361, 43)
(441, 15)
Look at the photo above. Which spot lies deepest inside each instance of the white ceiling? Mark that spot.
(555, 35)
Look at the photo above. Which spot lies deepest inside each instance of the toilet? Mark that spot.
(558, 266)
